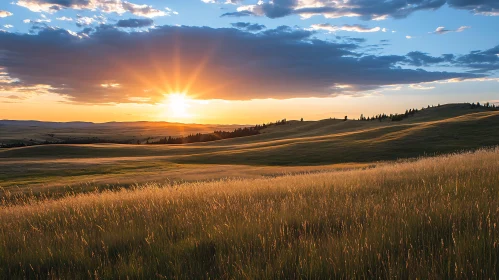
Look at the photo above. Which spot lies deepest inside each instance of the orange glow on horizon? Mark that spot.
(178, 104)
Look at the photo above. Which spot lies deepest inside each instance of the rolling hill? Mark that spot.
(443, 129)
(37, 132)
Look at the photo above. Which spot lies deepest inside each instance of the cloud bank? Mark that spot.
(111, 65)
(365, 9)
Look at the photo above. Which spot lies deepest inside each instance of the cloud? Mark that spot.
(64, 18)
(5, 14)
(408, 37)
(481, 61)
(229, 64)
(233, 2)
(442, 30)
(346, 27)
(365, 9)
(84, 21)
(248, 26)
(142, 10)
(476, 61)
(170, 12)
(483, 7)
(420, 87)
(106, 6)
(134, 23)
(237, 14)
(423, 59)
(8, 26)
(34, 21)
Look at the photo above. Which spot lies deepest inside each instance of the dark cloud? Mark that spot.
(248, 26)
(423, 59)
(365, 9)
(110, 65)
(237, 14)
(481, 61)
(356, 40)
(487, 7)
(134, 23)
(476, 61)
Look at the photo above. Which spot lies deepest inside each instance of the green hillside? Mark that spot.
(444, 129)
(436, 130)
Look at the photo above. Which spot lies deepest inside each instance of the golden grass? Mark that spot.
(432, 218)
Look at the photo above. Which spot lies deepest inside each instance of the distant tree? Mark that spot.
(301, 119)
(346, 118)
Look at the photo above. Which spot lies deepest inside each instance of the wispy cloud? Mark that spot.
(350, 28)
(248, 26)
(442, 30)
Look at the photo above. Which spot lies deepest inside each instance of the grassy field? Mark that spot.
(297, 146)
(433, 218)
(33, 132)
(326, 199)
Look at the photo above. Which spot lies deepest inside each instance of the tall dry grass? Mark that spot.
(432, 218)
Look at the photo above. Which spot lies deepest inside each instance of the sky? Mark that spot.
(242, 61)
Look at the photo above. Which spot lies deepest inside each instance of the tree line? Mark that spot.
(217, 135)
(411, 112)
(392, 117)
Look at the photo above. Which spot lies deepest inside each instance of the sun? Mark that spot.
(178, 105)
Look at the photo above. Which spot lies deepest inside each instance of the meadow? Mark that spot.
(291, 148)
(430, 218)
(328, 199)
(35, 132)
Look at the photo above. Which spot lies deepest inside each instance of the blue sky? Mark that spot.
(418, 51)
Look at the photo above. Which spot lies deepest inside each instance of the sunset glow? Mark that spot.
(252, 63)
(249, 139)
(178, 105)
